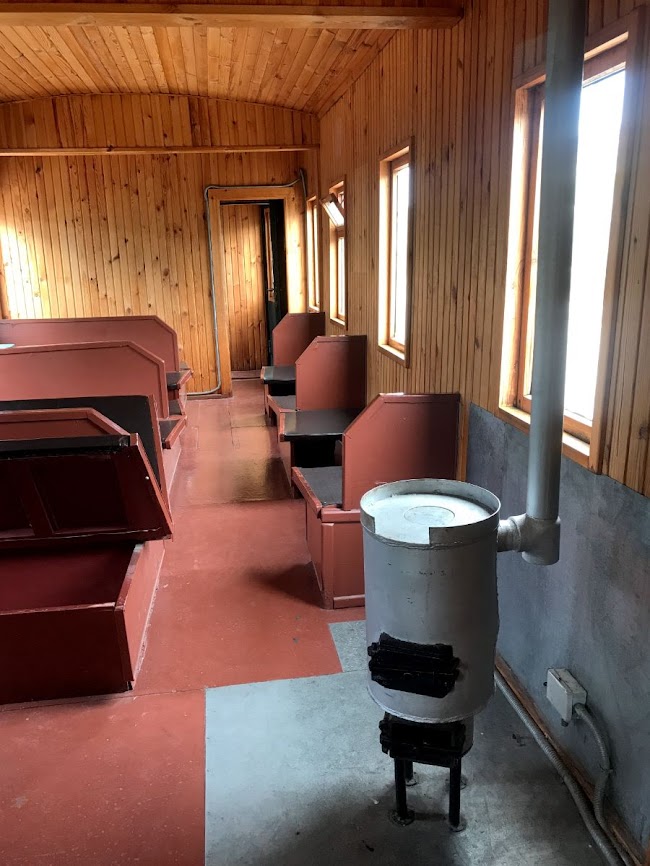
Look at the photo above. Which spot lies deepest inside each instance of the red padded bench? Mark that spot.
(398, 436)
(289, 339)
(330, 374)
(93, 369)
(82, 519)
(149, 332)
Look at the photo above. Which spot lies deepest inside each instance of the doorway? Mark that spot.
(255, 279)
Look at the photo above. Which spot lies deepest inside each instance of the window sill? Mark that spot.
(572, 447)
(395, 354)
(340, 322)
(313, 309)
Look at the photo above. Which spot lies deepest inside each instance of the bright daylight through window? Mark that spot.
(599, 131)
(400, 194)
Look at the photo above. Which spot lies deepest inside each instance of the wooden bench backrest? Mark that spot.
(80, 370)
(400, 436)
(293, 334)
(331, 374)
(150, 332)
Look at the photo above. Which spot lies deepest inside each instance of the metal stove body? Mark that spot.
(430, 549)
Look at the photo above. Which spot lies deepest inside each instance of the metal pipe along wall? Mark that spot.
(537, 533)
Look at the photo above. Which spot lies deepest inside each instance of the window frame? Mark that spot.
(583, 441)
(391, 162)
(314, 301)
(338, 264)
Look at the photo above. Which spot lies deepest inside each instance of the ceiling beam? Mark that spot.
(63, 13)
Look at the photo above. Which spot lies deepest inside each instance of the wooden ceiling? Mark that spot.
(291, 54)
(302, 69)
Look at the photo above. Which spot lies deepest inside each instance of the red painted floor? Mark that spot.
(121, 780)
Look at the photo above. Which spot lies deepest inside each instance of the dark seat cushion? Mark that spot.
(284, 401)
(326, 483)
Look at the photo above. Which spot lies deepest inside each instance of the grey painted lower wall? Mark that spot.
(589, 613)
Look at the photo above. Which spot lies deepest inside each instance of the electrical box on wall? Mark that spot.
(564, 691)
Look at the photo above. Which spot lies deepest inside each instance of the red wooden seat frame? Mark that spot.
(398, 436)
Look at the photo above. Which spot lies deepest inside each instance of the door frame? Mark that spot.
(294, 242)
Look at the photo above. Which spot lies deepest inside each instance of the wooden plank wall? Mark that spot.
(120, 235)
(452, 91)
(242, 233)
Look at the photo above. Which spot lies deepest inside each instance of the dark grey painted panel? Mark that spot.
(589, 613)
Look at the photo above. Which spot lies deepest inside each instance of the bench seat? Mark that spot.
(323, 485)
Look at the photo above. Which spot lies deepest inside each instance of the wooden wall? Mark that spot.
(245, 287)
(119, 234)
(452, 91)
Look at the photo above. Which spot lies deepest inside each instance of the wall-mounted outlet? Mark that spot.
(564, 691)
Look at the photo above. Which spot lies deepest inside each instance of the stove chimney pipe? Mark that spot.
(536, 534)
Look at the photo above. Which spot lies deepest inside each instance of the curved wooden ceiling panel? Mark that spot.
(304, 69)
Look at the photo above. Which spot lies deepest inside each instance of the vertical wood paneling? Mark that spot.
(452, 91)
(115, 235)
(242, 238)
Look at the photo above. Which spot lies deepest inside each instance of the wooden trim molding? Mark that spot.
(62, 13)
(572, 447)
(152, 150)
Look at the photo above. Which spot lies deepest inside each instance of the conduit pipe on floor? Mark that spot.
(610, 854)
(213, 298)
(581, 712)
(536, 534)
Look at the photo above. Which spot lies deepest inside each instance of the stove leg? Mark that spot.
(411, 778)
(456, 823)
(402, 815)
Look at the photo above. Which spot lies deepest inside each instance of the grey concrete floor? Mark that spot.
(295, 776)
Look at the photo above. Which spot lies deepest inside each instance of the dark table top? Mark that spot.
(317, 423)
(283, 373)
(176, 378)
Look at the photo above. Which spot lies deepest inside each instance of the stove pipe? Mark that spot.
(536, 534)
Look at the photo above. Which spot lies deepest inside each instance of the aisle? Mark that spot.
(121, 779)
(244, 713)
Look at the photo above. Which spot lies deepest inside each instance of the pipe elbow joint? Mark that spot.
(537, 540)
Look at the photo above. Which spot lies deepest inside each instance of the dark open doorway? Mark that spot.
(256, 284)
(275, 267)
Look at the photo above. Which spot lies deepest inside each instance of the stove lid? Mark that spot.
(94, 485)
(422, 512)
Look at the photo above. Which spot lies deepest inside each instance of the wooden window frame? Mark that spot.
(388, 164)
(314, 301)
(583, 441)
(338, 235)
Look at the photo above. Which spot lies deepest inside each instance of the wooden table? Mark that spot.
(313, 434)
(279, 380)
(284, 373)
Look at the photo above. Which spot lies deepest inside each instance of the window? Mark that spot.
(598, 144)
(313, 283)
(334, 206)
(395, 213)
